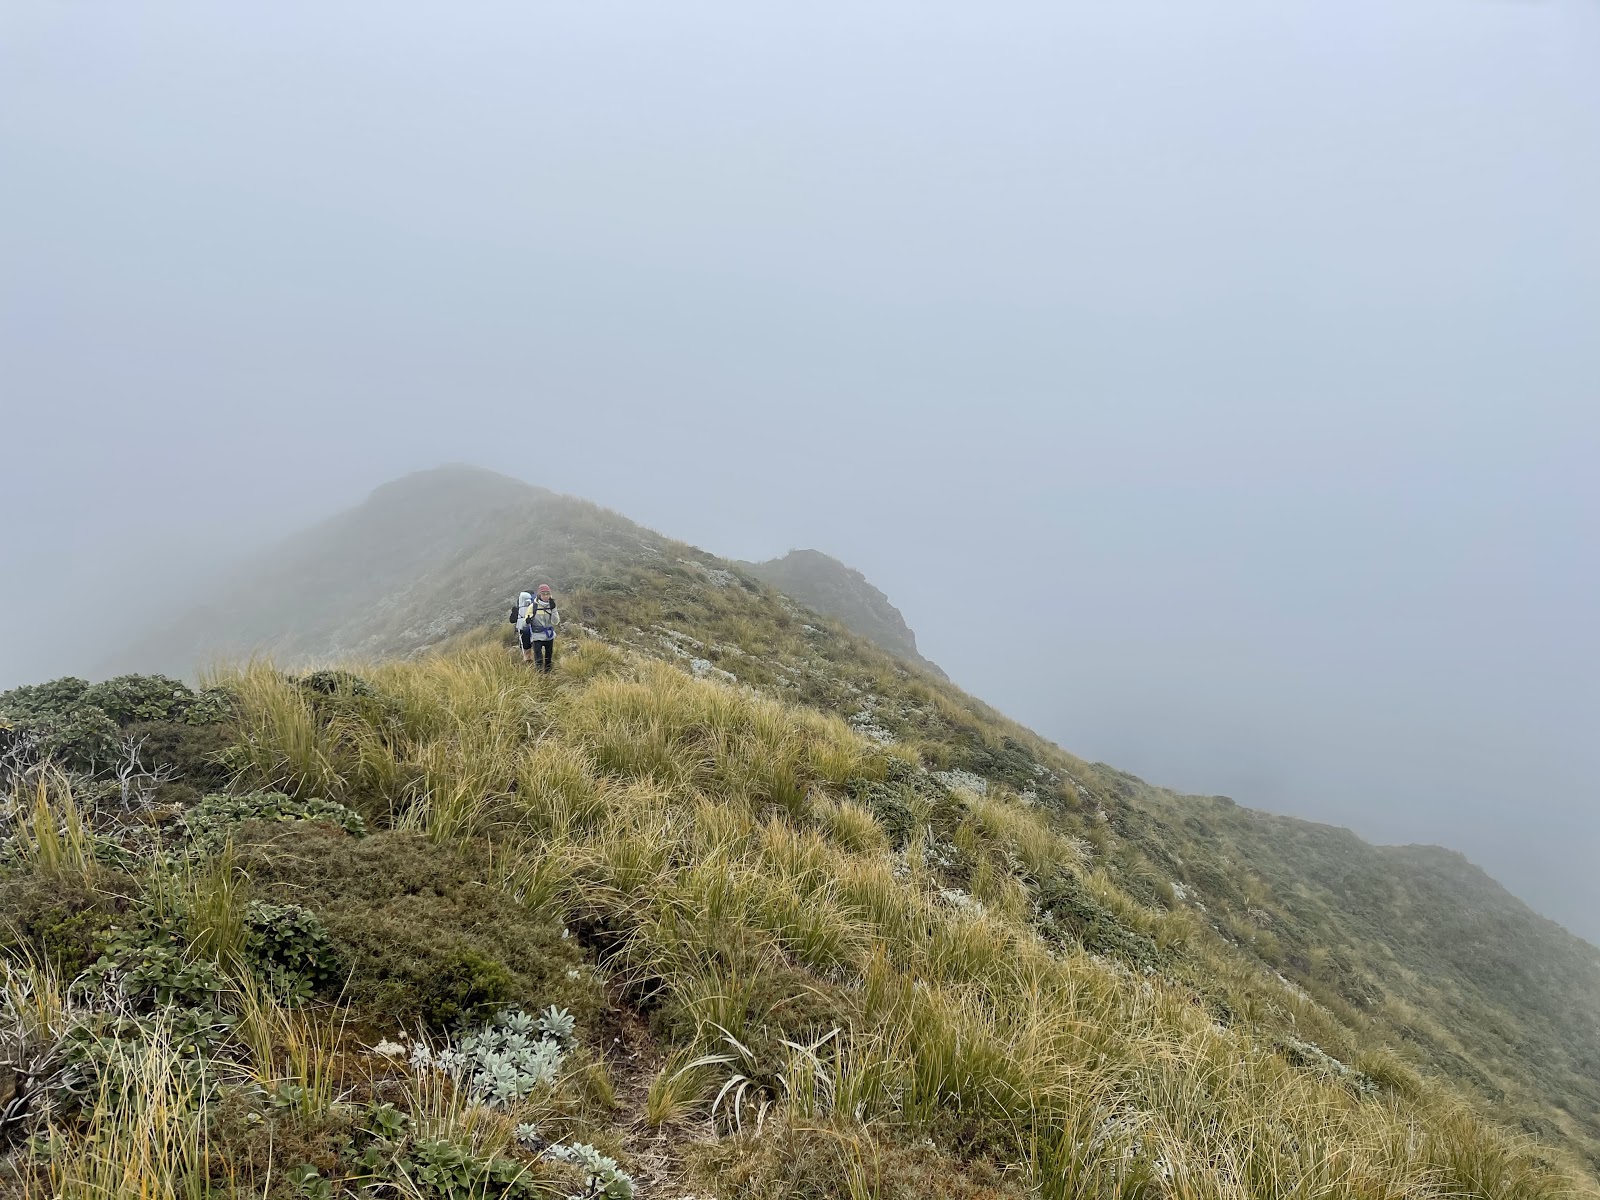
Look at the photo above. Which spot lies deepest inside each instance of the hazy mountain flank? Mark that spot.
(815, 923)
(830, 587)
(424, 557)
(445, 550)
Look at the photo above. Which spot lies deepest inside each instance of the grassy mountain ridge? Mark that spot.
(1370, 984)
(439, 551)
(1503, 1001)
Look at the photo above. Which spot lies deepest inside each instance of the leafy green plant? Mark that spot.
(130, 698)
(150, 966)
(446, 1171)
(289, 949)
(391, 1158)
(208, 825)
(306, 1183)
(386, 1122)
(211, 705)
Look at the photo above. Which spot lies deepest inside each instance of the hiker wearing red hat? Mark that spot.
(536, 618)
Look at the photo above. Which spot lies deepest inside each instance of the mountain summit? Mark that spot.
(444, 550)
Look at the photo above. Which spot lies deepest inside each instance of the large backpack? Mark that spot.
(519, 610)
(539, 612)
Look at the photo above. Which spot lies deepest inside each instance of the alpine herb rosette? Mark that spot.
(506, 1060)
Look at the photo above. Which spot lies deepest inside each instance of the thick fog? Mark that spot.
(1214, 384)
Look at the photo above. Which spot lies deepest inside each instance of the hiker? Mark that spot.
(536, 618)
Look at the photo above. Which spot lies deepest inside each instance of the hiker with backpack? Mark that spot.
(536, 617)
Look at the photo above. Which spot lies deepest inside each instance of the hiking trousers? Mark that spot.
(543, 652)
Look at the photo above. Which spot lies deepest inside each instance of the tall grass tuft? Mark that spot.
(145, 1135)
(292, 1051)
(207, 900)
(53, 835)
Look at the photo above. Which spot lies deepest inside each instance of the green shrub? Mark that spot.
(130, 698)
(167, 1002)
(290, 950)
(330, 682)
(450, 1172)
(465, 983)
(1064, 907)
(81, 725)
(903, 793)
(211, 706)
(190, 753)
(343, 696)
(149, 963)
(887, 804)
(434, 1168)
(421, 933)
(209, 825)
(54, 699)
(84, 739)
(63, 922)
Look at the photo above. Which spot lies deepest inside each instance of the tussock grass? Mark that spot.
(284, 744)
(146, 1136)
(292, 1046)
(805, 972)
(51, 833)
(34, 1008)
(207, 900)
(681, 1087)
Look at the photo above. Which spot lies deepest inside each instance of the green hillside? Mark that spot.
(733, 904)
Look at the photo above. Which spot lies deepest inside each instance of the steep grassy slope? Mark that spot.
(1412, 939)
(835, 590)
(1409, 946)
(618, 931)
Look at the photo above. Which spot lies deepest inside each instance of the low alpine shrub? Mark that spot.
(290, 950)
(209, 825)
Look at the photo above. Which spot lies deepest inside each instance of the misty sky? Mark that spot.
(1240, 359)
